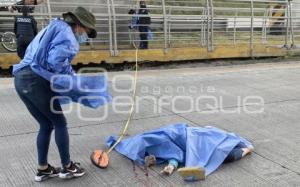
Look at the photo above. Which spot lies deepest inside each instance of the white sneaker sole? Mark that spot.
(70, 175)
(42, 178)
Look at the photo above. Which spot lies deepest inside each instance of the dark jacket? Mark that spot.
(25, 26)
(145, 20)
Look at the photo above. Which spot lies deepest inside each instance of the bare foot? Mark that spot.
(246, 151)
(168, 170)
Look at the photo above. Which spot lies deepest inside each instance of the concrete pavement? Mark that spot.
(166, 97)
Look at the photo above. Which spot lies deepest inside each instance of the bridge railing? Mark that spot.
(178, 23)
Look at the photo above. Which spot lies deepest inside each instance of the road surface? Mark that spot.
(261, 102)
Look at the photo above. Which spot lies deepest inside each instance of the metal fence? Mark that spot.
(183, 23)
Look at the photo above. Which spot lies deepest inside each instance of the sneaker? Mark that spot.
(150, 160)
(192, 173)
(73, 171)
(50, 172)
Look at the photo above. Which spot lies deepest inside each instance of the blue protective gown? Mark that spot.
(191, 146)
(50, 55)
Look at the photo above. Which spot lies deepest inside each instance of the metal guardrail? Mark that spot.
(178, 23)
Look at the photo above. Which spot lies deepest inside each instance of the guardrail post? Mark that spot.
(110, 28)
(210, 27)
(264, 27)
(207, 25)
(169, 29)
(287, 26)
(203, 27)
(291, 24)
(252, 29)
(234, 27)
(91, 40)
(43, 11)
(49, 10)
(115, 39)
(211, 48)
(165, 26)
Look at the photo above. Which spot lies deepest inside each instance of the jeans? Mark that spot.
(36, 94)
(22, 44)
(143, 37)
(235, 154)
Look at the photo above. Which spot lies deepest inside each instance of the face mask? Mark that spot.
(143, 6)
(81, 38)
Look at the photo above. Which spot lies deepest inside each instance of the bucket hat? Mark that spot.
(86, 19)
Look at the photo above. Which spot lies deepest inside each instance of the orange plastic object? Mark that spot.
(100, 159)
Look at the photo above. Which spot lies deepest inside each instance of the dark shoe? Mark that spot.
(73, 171)
(150, 160)
(50, 172)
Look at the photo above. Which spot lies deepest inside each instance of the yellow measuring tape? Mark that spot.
(100, 158)
(133, 103)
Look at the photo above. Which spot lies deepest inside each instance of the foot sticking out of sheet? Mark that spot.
(246, 151)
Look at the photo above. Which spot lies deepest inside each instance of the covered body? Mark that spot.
(191, 146)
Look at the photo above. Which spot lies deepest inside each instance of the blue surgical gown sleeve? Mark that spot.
(50, 55)
(59, 59)
(62, 51)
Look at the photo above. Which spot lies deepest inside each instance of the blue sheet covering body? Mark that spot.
(191, 146)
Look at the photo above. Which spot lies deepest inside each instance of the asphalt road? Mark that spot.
(260, 102)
